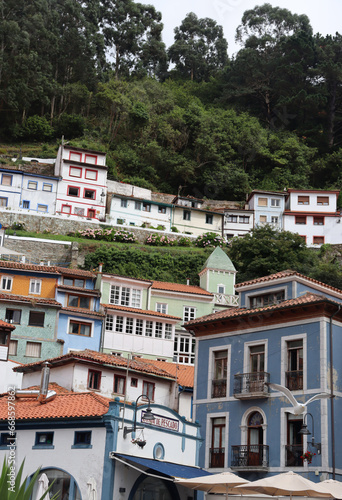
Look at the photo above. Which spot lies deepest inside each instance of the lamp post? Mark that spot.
(148, 416)
(305, 432)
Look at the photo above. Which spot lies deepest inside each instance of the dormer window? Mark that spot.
(267, 299)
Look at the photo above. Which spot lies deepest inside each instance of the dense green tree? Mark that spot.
(200, 49)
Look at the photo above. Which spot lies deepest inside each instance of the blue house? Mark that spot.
(287, 331)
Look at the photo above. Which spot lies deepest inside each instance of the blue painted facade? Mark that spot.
(248, 427)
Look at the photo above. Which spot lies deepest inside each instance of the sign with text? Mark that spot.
(161, 421)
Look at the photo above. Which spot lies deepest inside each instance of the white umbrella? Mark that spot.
(286, 484)
(331, 486)
(43, 484)
(224, 482)
(92, 492)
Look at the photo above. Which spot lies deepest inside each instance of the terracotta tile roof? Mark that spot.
(29, 299)
(65, 405)
(3, 324)
(53, 386)
(5, 264)
(76, 272)
(98, 358)
(306, 299)
(139, 311)
(176, 287)
(80, 310)
(78, 289)
(184, 373)
(285, 274)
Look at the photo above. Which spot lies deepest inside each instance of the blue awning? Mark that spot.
(168, 468)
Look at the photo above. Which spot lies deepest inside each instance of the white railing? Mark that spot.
(226, 300)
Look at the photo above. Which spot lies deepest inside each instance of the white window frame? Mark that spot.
(161, 307)
(36, 284)
(275, 202)
(246, 353)
(221, 285)
(283, 363)
(191, 313)
(244, 424)
(210, 417)
(8, 279)
(211, 369)
(37, 345)
(261, 291)
(135, 296)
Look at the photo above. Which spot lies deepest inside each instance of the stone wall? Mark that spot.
(36, 250)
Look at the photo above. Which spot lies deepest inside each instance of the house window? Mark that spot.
(221, 289)
(275, 202)
(262, 202)
(109, 323)
(148, 390)
(73, 191)
(208, 219)
(303, 200)
(263, 219)
(139, 324)
(73, 282)
(13, 316)
(161, 307)
(91, 174)
(318, 240)
(168, 331)
(90, 194)
(125, 296)
(3, 201)
(158, 333)
(184, 349)
(26, 204)
(35, 286)
(219, 381)
(300, 219)
(123, 203)
(79, 328)
(294, 373)
(189, 313)
(44, 439)
(13, 348)
(94, 379)
(146, 207)
(217, 450)
(7, 439)
(318, 221)
(75, 172)
(161, 210)
(75, 156)
(322, 200)
(294, 442)
(244, 219)
(137, 205)
(267, 299)
(6, 283)
(42, 208)
(79, 301)
(36, 318)
(274, 220)
(33, 349)
(66, 209)
(79, 211)
(82, 439)
(119, 384)
(6, 180)
(134, 382)
(32, 185)
(231, 218)
(186, 215)
(129, 325)
(119, 324)
(47, 187)
(149, 329)
(90, 159)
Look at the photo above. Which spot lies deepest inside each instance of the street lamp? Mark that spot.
(147, 416)
(305, 432)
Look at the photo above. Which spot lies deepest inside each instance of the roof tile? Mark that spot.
(176, 287)
(139, 311)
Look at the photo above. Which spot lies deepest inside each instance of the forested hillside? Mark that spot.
(98, 72)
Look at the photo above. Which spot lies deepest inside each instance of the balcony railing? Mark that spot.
(216, 459)
(226, 300)
(251, 384)
(294, 380)
(254, 456)
(293, 454)
(219, 388)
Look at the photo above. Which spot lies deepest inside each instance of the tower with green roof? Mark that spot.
(218, 277)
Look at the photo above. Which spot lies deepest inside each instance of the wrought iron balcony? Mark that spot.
(294, 380)
(250, 457)
(219, 388)
(293, 454)
(251, 385)
(216, 458)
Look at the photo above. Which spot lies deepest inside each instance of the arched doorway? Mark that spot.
(152, 488)
(255, 438)
(64, 484)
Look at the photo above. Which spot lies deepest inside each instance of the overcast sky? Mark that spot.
(325, 15)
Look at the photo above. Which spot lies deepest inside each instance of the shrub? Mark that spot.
(69, 125)
(174, 229)
(184, 242)
(108, 235)
(18, 226)
(36, 128)
(209, 239)
(159, 240)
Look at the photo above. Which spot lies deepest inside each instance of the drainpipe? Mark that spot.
(332, 395)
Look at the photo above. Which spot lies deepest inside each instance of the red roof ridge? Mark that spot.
(179, 287)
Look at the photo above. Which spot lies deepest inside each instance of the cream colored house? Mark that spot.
(191, 216)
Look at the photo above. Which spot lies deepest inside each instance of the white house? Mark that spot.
(237, 222)
(135, 211)
(313, 215)
(82, 190)
(268, 207)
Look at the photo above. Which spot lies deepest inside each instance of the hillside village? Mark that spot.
(74, 187)
(145, 381)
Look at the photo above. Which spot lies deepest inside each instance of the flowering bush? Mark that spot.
(108, 235)
(308, 455)
(159, 240)
(209, 239)
(183, 242)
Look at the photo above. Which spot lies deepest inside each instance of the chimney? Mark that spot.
(100, 267)
(187, 281)
(44, 382)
